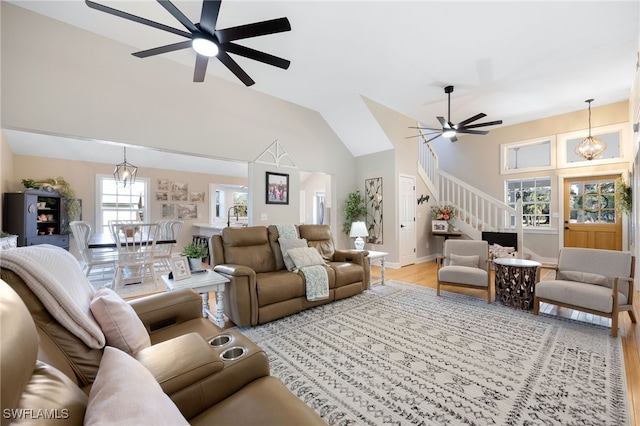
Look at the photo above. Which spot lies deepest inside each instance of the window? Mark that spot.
(535, 194)
(218, 204)
(240, 203)
(614, 136)
(592, 201)
(534, 154)
(118, 203)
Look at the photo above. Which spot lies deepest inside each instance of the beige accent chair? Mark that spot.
(464, 263)
(596, 281)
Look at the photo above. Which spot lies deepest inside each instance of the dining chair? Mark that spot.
(169, 230)
(103, 260)
(136, 253)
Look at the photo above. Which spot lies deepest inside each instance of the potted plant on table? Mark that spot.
(8, 240)
(195, 252)
(441, 215)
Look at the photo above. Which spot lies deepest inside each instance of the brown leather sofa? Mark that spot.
(262, 289)
(42, 384)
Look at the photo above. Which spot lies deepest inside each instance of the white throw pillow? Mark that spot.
(306, 256)
(458, 260)
(287, 244)
(120, 324)
(126, 393)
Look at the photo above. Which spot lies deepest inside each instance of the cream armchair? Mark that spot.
(590, 280)
(464, 263)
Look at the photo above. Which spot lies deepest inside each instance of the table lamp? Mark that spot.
(359, 230)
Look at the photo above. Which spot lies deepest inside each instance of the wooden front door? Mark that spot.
(590, 218)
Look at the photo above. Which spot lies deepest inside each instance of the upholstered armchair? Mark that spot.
(464, 263)
(596, 281)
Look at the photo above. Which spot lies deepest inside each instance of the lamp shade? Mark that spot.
(359, 230)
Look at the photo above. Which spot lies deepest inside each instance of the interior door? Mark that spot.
(407, 215)
(590, 218)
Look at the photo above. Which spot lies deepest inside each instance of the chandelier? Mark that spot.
(591, 147)
(125, 172)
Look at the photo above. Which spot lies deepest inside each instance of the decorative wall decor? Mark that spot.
(197, 196)
(168, 211)
(277, 188)
(179, 191)
(187, 211)
(162, 196)
(423, 198)
(373, 199)
(163, 184)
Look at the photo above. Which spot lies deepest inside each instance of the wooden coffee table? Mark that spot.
(203, 283)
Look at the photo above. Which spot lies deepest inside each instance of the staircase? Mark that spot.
(478, 211)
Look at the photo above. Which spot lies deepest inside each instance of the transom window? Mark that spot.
(592, 201)
(535, 194)
(118, 203)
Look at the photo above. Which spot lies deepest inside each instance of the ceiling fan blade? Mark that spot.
(163, 49)
(256, 55)
(488, 123)
(209, 15)
(435, 137)
(135, 18)
(425, 128)
(253, 30)
(235, 68)
(470, 119)
(473, 132)
(453, 138)
(443, 122)
(178, 15)
(200, 69)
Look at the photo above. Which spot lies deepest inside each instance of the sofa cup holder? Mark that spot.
(220, 340)
(233, 353)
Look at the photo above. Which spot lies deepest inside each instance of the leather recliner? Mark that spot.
(35, 392)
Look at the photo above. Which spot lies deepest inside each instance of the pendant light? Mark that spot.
(125, 172)
(591, 147)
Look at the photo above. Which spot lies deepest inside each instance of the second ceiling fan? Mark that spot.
(450, 130)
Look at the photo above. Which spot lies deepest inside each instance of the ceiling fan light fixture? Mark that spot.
(449, 133)
(205, 47)
(591, 147)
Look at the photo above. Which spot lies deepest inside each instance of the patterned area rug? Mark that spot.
(398, 354)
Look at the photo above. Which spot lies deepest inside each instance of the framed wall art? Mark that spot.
(277, 188)
(373, 200)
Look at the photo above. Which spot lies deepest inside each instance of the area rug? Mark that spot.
(398, 354)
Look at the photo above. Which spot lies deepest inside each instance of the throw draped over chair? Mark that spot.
(136, 252)
(464, 263)
(102, 259)
(168, 230)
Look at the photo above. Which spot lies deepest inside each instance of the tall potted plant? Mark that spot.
(354, 210)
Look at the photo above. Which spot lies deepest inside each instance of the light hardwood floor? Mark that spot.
(424, 274)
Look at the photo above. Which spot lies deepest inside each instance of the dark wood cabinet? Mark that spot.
(36, 217)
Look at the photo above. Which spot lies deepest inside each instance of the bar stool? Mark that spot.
(202, 240)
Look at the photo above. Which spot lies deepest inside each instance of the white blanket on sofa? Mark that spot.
(55, 277)
(317, 282)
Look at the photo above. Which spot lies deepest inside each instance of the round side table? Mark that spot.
(515, 281)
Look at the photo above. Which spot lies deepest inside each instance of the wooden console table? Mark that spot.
(447, 234)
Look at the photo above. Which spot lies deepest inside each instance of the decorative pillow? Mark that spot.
(120, 324)
(287, 244)
(457, 260)
(126, 393)
(583, 277)
(305, 256)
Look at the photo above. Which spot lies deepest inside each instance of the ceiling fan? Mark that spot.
(450, 130)
(208, 41)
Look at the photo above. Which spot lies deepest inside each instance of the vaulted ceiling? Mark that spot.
(516, 61)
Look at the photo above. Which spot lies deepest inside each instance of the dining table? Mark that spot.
(98, 241)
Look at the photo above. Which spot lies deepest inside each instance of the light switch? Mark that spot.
(263, 216)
